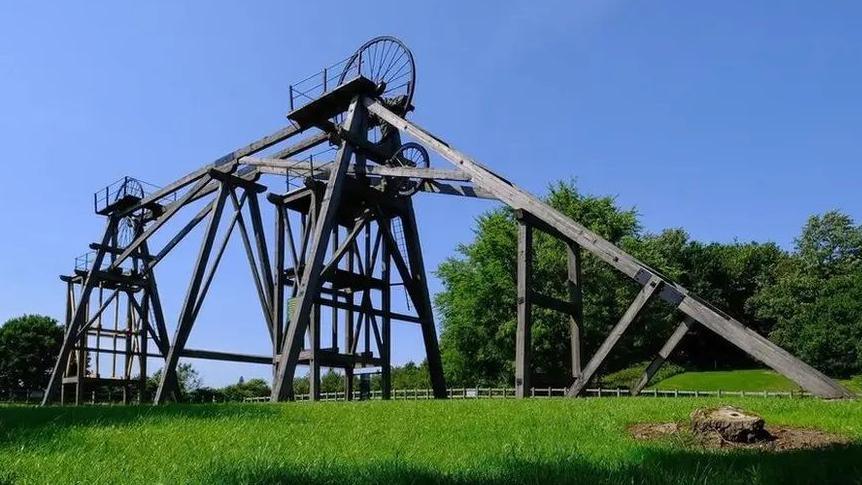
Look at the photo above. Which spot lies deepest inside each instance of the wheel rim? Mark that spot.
(411, 155)
(386, 61)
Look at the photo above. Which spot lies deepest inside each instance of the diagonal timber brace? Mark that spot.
(663, 354)
(746, 339)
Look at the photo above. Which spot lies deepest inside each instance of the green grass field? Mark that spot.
(482, 441)
(754, 380)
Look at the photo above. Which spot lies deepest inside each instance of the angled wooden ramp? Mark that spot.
(537, 214)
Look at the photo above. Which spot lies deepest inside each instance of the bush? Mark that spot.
(626, 378)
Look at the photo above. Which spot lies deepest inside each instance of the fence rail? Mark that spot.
(542, 392)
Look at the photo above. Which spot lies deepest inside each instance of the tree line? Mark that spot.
(807, 299)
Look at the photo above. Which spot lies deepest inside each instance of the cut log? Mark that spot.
(733, 424)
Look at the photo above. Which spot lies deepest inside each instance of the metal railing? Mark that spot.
(122, 188)
(325, 80)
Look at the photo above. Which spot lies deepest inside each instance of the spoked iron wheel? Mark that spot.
(127, 231)
(389, 64)
(411, 155)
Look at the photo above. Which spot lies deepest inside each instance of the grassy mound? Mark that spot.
(733, 380)
(481, 441)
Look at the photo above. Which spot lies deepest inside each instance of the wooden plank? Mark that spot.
(321, 169)
(278, 282)
(663, 355)
(551, 303)
(283, 386)
(576, 317)
(523, 335)
(226, 356)
(616, 333)
(386, 306)
(340, 250)
(264, 293)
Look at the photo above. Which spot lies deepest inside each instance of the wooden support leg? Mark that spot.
(314, 362)
(662, 356)
(278, 286)
(386, 305)
(423, 304)
(192, 299)
(523, 337)
(616, 333)
(576, 318)
(309, 286)
(348, 328)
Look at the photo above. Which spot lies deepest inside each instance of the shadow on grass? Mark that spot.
(28, 424)
(841, 464)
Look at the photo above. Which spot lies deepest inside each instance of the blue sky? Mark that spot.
(733, 120)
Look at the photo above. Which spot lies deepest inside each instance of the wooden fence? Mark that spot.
(542, 392)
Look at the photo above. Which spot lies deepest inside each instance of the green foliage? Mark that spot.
(448, 442)
(244, 389)
(28, 348)
(187, 376)
(625, 378)
(478, 301)
(815, 300)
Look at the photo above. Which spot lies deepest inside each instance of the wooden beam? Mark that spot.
(551, 303)
(616, 333)
(576, 317)
(254, 147)
(304, 167)
(763, 350)
(523, 335)
(283, 386)
(663, 355)
(186, 319)
(423, 304)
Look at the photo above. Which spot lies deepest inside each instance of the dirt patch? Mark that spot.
(781, 438)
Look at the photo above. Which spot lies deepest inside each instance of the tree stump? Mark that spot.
(732, 424)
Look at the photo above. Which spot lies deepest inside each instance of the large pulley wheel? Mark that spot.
(389, 64)
(409, 155)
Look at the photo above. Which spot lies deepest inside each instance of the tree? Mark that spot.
(243, 389)
(477, 304)
(29, 345)
(815, 300)
(188, 378)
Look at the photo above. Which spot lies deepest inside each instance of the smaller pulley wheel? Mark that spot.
(409, 155)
